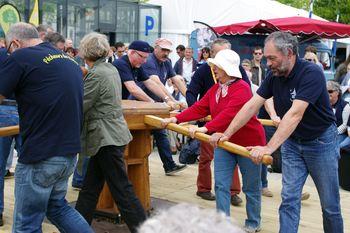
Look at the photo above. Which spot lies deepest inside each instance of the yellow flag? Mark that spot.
(34, 17)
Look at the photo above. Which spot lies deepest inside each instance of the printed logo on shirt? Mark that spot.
(293, 93)
(49, 58)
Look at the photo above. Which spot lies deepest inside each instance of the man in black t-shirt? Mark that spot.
(307, 131)
(48, 87)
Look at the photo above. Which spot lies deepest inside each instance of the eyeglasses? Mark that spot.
(8, 48)
(312, 60)
(143, 57)
(205, 52)
(331, 91)
(257, 53)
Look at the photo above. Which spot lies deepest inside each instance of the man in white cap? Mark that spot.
(158, 67)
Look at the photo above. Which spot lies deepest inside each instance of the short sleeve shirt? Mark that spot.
(128, 73)
(306, 82)
(163, 70)
(48, 86)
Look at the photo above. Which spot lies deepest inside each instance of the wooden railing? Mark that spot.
(231, 147)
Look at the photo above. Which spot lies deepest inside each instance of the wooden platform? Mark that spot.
(182, 188)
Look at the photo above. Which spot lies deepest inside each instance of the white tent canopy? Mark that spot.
(178, 15)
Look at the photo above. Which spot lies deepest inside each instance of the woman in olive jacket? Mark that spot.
(105, 135)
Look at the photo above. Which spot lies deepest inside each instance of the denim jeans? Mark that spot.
(78, 179)
(163, 145)
(319, 158)
(8, 117)
(40, 191)
(108, 166)
(224, 165)
(343, 140)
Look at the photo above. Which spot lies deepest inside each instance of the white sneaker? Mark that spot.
(251, 230)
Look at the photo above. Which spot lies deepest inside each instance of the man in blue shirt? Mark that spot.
(133, 76)
(158, 68)
(48, 87)
(307, 131)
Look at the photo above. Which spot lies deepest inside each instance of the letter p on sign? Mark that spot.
(149, 24)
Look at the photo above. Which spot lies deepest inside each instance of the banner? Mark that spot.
(8, 15)
(34, 17)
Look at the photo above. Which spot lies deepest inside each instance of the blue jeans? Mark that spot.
(163, 145)
(224, 165)
(8, 117)
(319, 158)
(79, 178)
(40, 191)
(269, 131)
(343, 140)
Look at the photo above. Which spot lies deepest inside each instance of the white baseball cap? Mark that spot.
(227, 60)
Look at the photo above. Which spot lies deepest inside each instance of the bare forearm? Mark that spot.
(270, 109)
(154, 88)
(161, 86)
(180, 84)
(287, 126)
(139, 94)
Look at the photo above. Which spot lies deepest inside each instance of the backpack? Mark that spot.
(190, 152)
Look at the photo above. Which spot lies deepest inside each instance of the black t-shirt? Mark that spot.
(305, 82)
(128, 73)
(48, 86)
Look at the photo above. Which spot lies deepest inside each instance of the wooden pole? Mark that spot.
(229, 146)
(266, 122)
(9, 131)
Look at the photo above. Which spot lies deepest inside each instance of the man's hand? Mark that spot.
(173, 105)
(276, 120)
(257, 152)
(216, 137)
(166, 121)
(193, 129)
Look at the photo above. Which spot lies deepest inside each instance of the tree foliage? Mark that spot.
(327, 9)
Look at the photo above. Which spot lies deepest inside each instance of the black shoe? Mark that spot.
(236, 200)
(175, 169)
(1, 221)
(206, 196)
(9, 174)
(77, 187)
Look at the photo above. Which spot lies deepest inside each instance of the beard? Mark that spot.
(282, 70)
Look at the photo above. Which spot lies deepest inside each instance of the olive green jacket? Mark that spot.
(103, 123)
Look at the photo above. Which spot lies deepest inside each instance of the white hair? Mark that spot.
(186, 218)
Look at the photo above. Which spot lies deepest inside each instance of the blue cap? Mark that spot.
(141, 46)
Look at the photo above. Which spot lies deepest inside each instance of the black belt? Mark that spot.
(8, 102)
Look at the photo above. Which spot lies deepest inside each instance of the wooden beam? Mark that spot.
(266, 122)
(9, 131)
(229, 146)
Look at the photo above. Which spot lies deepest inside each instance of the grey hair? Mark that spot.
(221, 41)
(283, 41)
(334, 86)
(189, 218)
(21, 31)
(94, 46)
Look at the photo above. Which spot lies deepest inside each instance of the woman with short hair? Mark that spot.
(105, 135)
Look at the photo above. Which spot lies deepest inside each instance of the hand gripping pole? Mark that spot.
(229, 146)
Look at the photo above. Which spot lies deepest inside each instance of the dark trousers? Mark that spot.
(108, 165)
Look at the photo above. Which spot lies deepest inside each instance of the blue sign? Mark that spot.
(149, 24)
